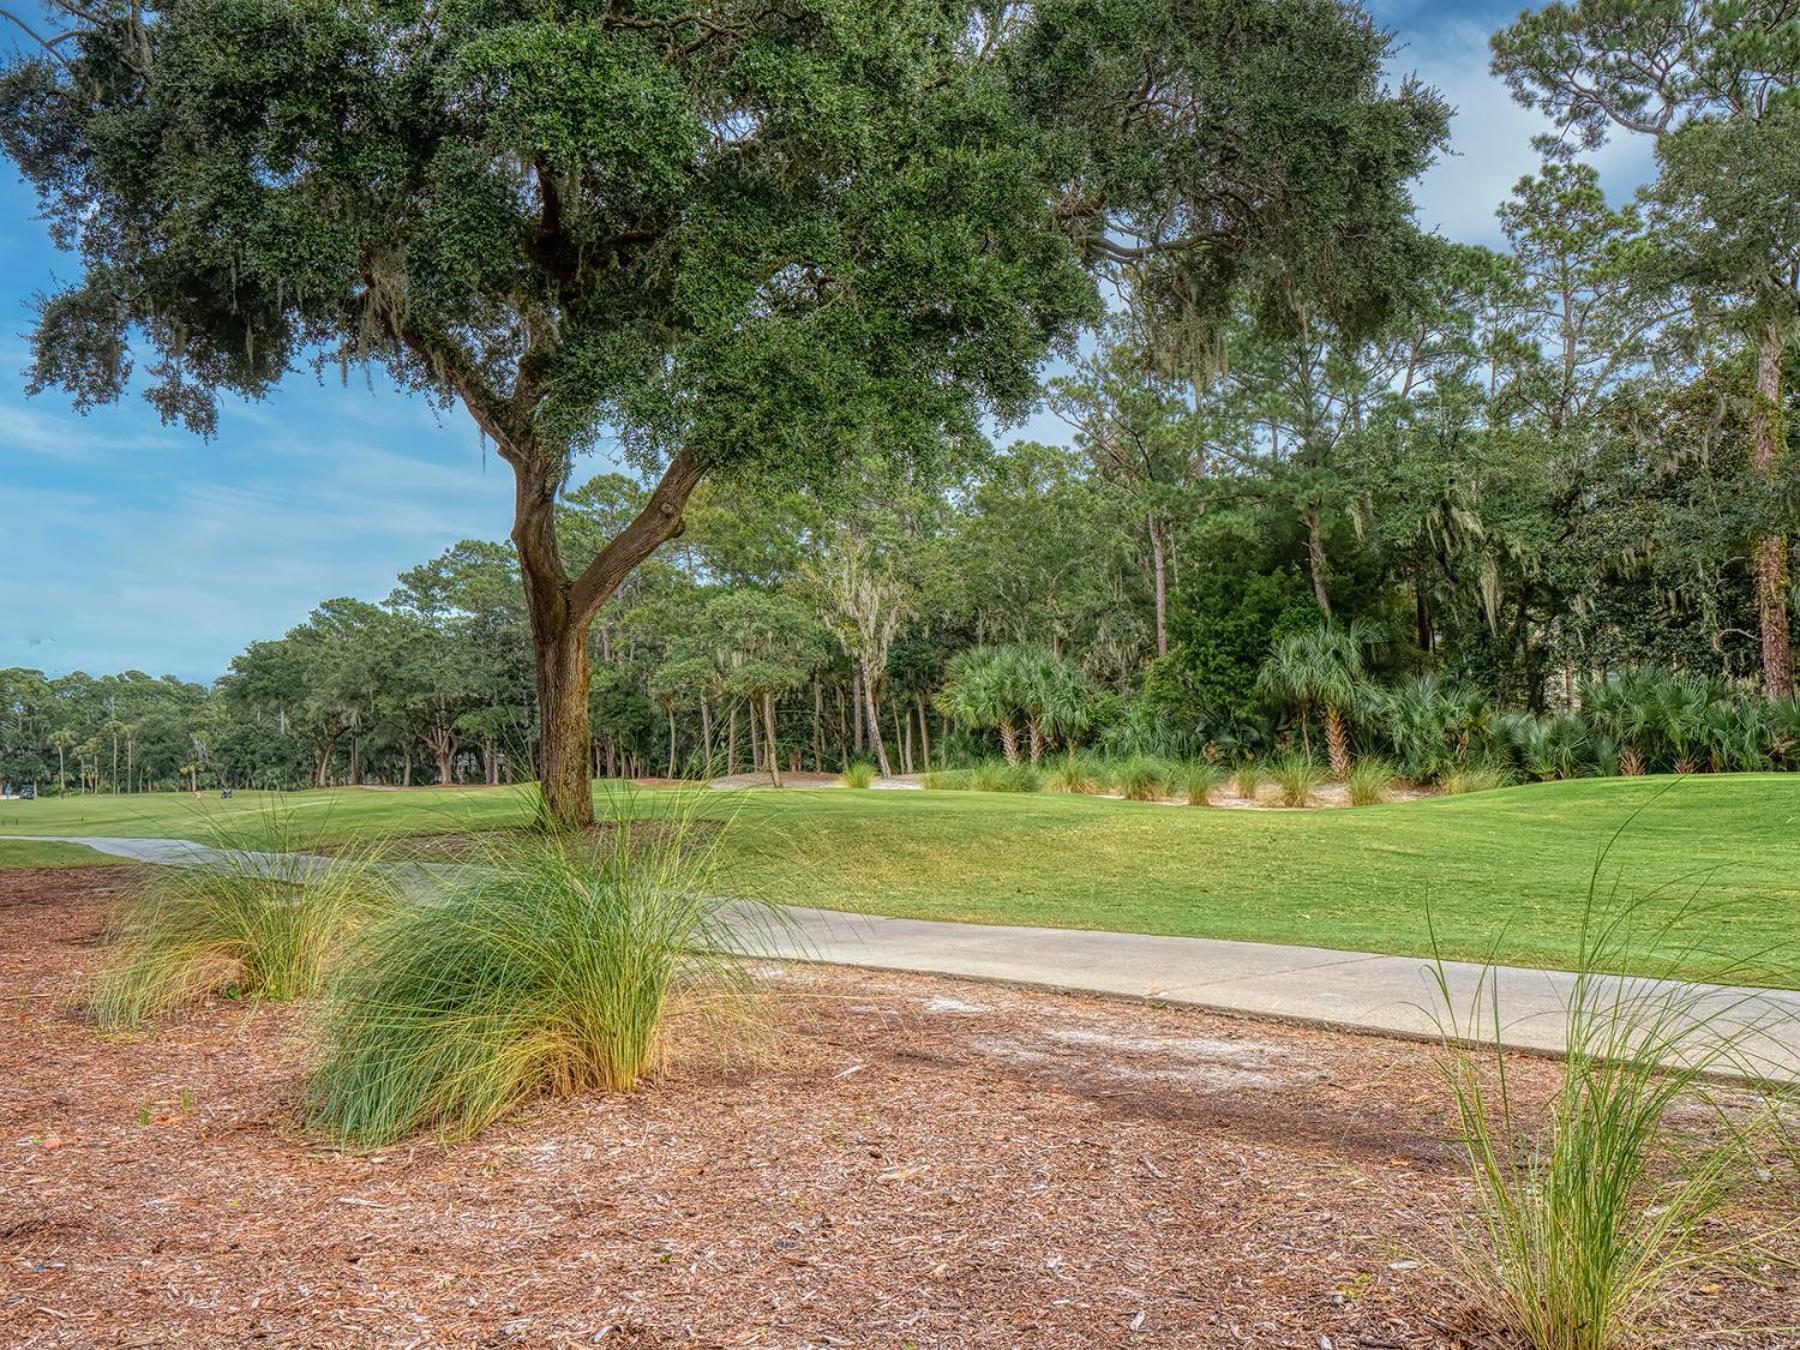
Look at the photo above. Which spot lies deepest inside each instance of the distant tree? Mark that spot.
(1713, 85)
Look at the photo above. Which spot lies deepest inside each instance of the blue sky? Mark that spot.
(124, 543)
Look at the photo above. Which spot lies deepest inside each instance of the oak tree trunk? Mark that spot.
(563, 609)
(875, 742)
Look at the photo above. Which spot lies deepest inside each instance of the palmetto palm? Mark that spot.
(1624, 707)
(1320, 669)
(1679, 707)
(978, 696)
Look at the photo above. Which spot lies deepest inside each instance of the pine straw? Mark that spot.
(936, 1161)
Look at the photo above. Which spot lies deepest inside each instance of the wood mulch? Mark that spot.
(919, 1162)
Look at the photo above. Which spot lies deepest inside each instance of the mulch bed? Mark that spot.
(920, 1162)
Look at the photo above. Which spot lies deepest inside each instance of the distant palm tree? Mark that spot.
(61, 741)
(1320, 670)
(114, 728)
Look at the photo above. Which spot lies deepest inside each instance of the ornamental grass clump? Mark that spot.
(1586, 1221)
(1371, 779)
(1196, 781)
(1072, 773)
(555, 964)
(996, 775)
(858, 773)
(1297, 778)
(1143, 778)
(247, 917)
(1247, 780)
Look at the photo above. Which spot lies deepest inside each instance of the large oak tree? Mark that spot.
(725, 237)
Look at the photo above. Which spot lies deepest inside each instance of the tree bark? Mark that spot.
(1009, 741)
(924, 731)
(670, 706)
(756, 745)
(1315, 561)
(706, 734)
(563, 610)
(875, 742)
(731, 742)
(1771, 549)
(773, 756)
(1337, 742)
(1160, 581)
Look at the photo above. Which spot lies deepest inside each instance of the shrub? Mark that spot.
(1143, 778)
(247, 919)
(1297, 778)
(1197, 780)
(1583, 1223)
(551, 966)
(947, 780)
(858, 773)
(1247, 779)
(1371, 779)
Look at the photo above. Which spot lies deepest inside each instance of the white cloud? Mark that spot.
(1491, 137)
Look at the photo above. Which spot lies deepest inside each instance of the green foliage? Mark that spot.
(552, 965)
(1019, 689)
(245, 920)
(859, 773)
(1371, 779)
(1298, 777)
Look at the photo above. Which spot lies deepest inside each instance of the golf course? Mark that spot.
(1707, 868)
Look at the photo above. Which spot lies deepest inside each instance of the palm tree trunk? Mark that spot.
(1337, 736)
(924, 730)
(1009, 741)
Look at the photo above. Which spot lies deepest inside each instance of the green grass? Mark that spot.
(1504, 869)
(34, 853)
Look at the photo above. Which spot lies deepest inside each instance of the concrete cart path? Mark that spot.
(1394, 995)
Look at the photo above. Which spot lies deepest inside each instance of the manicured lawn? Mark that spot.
(33, 853)
(1506, 871)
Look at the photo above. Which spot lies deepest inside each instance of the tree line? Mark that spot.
(831, 247)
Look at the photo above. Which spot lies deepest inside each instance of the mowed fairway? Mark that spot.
(1504, 873)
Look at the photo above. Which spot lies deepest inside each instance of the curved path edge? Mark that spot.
(1351, 991)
